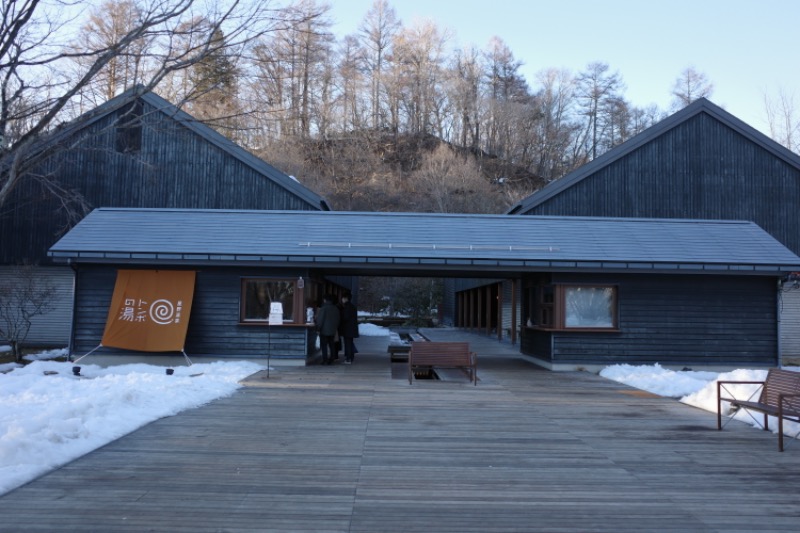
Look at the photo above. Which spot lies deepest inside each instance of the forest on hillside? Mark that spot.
(392, 117)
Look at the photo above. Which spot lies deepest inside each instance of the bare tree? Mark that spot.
(556, 100)
(783, 118)
(354, 110)
(642, 118)
(23, 297)
(506, 90)
(107, 24)
(37, 86)
(464, 85)
(599, 93)
(418, 63)
(378, 30)
(690, 86)
(290, 62)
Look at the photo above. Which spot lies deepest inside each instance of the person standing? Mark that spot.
(348, 328)
(327, 325)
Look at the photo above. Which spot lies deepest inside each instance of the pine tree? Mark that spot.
(215, 86)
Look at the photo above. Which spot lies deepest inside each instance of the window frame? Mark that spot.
(298, 315)
(552, 316)
(129, 129)
(562, 290)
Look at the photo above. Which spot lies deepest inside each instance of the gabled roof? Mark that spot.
(209, 134)
(697, 107)
(436, 243)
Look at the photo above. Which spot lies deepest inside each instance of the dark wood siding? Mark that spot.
(537, 343)
(700, 169)
(175, 167)
(214, 327)
(677, 320)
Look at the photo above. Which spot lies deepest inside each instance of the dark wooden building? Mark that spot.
(595, 291)
(136, 150)
(700, 163)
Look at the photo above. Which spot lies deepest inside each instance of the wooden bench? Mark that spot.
(398, 352)
(442, 354)
(780, 397)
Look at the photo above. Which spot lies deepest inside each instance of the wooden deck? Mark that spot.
(350, 449)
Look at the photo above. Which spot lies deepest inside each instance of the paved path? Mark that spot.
(352, 449)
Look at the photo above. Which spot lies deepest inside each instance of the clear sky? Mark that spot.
(746, 48)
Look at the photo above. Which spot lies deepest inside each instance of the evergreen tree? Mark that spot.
(215, 86)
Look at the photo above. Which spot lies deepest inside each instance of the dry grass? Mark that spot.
(6, 357)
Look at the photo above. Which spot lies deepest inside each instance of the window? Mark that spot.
(589, 307)
(574, 307)
(545, 316)
(259, 293)
(129, 129)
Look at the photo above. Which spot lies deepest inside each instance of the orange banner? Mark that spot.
(149, 310)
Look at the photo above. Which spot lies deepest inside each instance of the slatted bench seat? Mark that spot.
(428, 355)
(780, 397)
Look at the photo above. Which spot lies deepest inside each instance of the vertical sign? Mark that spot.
(149, 310)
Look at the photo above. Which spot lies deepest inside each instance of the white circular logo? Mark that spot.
(162, 312)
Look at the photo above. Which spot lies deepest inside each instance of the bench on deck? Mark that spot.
(398, 352)
(428, 355)
(780, 397)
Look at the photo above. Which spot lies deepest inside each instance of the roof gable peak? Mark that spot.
(161, 105)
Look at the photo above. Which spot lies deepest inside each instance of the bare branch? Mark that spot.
(23, 296)
(162, 38)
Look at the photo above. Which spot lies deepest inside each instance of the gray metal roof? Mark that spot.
(434, 243)
(701, 105)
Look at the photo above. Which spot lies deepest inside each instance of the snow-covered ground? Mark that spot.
(48, 416)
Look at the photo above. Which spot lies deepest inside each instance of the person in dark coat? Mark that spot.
(348, 328)
(327, 322)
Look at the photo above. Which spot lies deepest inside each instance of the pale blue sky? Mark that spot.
(746, 48)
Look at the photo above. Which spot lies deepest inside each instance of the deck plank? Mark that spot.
(352, 448)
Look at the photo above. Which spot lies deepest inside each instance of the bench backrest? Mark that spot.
(781, 382)
(422, 352)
